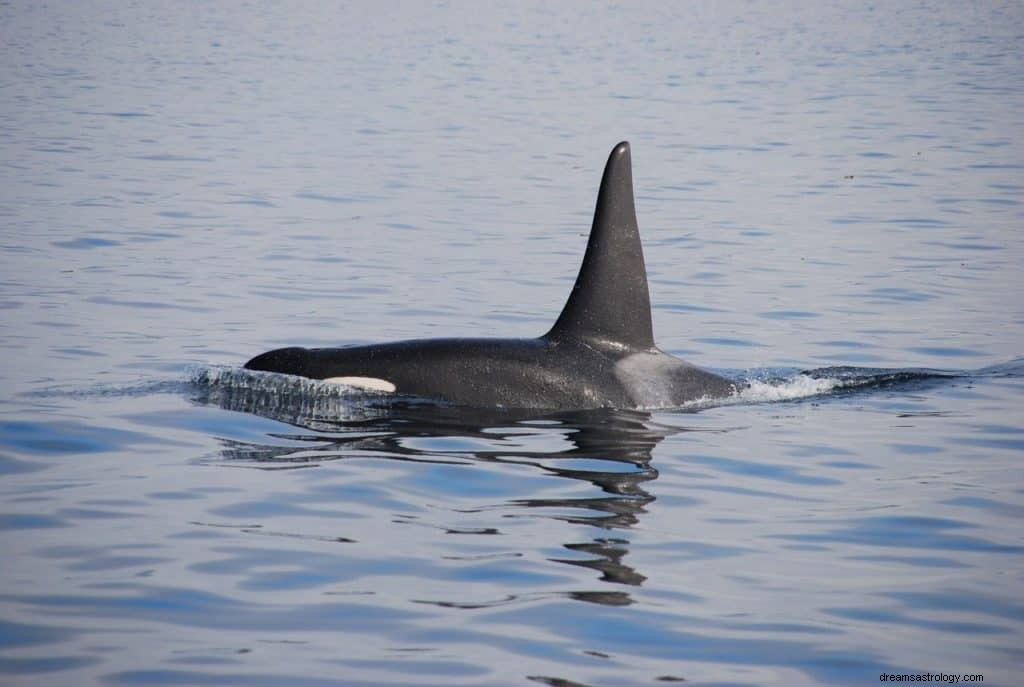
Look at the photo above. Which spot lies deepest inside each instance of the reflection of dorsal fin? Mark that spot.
(610, 305)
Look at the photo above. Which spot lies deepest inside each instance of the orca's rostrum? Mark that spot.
(599, 353)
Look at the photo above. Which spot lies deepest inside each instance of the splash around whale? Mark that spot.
(600, 353)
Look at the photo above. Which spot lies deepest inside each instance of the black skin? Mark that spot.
(508, 373)
(600, 352)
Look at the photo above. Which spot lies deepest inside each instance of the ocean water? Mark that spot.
(830, 187)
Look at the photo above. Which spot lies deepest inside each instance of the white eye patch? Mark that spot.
(368, 383)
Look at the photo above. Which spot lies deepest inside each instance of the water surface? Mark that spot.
(817, 187)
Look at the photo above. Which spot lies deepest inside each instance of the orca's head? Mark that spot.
(289, 361)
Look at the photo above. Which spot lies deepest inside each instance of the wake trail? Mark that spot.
(774, 385)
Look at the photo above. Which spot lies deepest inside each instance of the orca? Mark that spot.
(600, 353)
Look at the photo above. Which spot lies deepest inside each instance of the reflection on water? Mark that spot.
(778, 540)
(609, 449)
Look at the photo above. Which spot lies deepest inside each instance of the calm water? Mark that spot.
(817, 185)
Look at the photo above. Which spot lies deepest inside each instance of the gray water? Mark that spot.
(818, 185)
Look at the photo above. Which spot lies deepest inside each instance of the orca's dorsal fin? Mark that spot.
(609, 305)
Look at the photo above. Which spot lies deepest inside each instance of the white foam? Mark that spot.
(800, 386)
